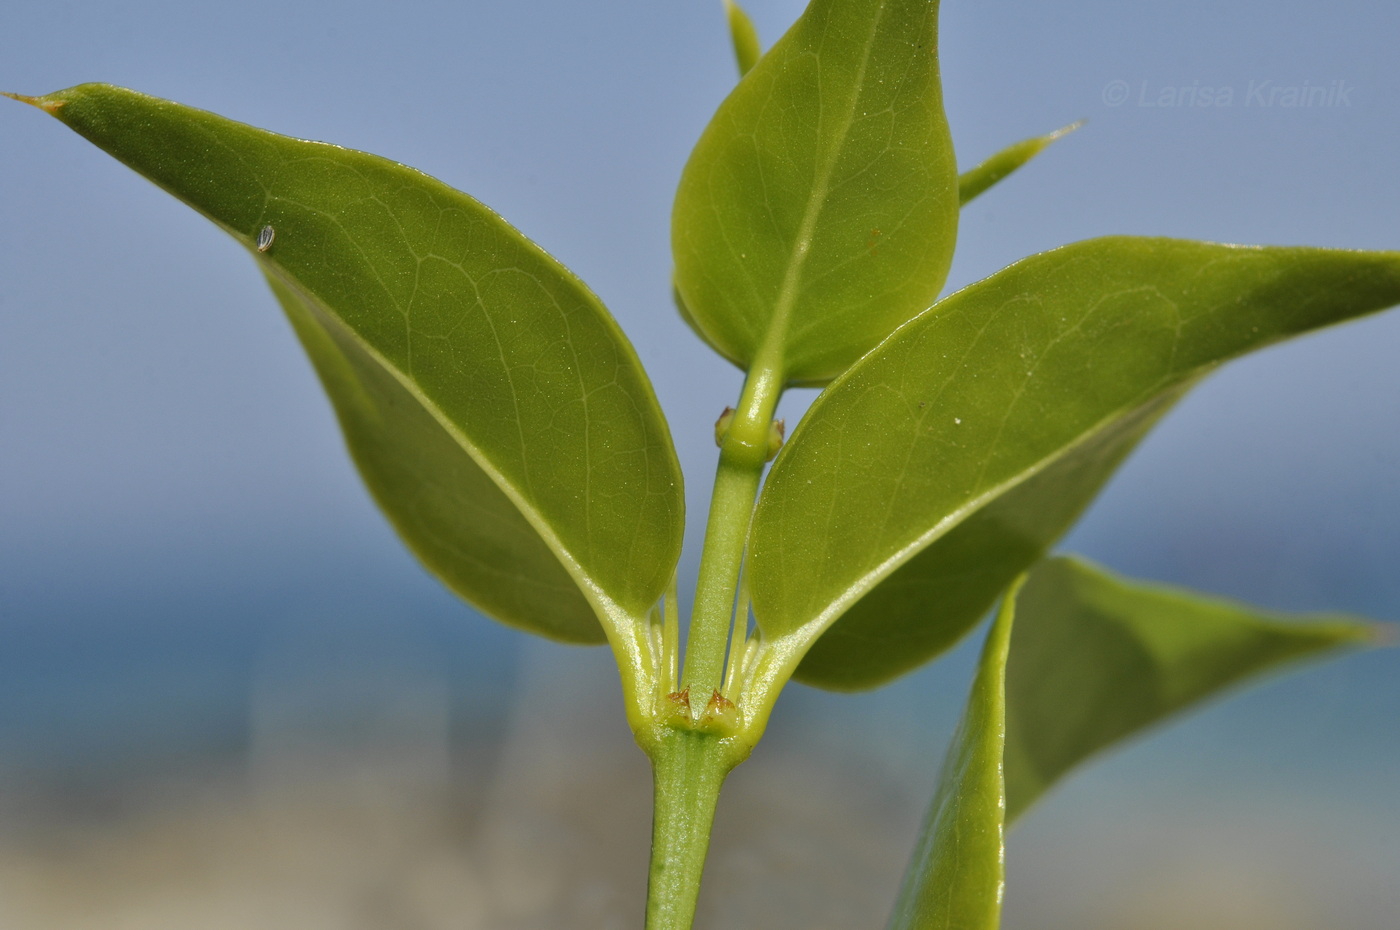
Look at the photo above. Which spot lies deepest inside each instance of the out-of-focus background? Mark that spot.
(228, 699)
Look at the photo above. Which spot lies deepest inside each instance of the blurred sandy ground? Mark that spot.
(351, 809)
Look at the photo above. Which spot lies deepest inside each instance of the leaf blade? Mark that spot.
(818, 210)
(976, 395)
(377, 417)
(499, 344)
(1097, 658)
(956, 580)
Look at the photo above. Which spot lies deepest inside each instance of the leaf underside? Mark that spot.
(901, 471)
(494, 408)
(954, 582)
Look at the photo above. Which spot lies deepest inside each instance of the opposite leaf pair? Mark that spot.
(506, 427)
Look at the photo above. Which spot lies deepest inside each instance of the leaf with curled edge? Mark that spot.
(493, 406)
(902, 463)
(1097, 658)
(958, 871)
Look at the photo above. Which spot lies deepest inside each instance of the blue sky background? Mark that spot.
(173, 492)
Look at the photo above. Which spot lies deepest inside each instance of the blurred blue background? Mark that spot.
(229, 698)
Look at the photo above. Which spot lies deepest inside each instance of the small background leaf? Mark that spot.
(956, 875)
(1005, 383)
(442, 333)
(976, 180)
(1096, 659)
(742, 33)
(819, 208)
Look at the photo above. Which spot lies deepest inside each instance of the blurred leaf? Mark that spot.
(1001, 384)
(975, 181)
(818, 210)
(745, 37)
(956, 875)
(1095, 659)
(492, 405)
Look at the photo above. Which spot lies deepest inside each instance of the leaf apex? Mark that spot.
(1379, 635)
(45, 103)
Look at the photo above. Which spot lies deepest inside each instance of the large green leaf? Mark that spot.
(819, 208)
(951, 585)
(1095, 659)
(493, 406)
(1000, 386)
(956, 875)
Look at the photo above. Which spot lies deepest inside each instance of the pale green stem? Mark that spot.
(688, 769)
(743, 452)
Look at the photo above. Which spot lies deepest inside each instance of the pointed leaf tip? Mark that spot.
(976, 180)
(43, 103)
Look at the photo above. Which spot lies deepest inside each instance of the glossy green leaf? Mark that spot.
(744, 36)
(1096, 659)
(494, 408)
(997, 387)
(927, 604)
(956, 875)
(819, 208)
(993, 170)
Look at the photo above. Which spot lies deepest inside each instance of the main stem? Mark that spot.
(744, 448)
(690, 760)
(688, 768)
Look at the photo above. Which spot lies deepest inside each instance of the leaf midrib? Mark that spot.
(611, 614)
(809, 630)
(806, 229)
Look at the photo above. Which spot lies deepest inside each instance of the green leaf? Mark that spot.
(745, 37)
(956, 875)
(927, 604)
(494, 408)
(993, 170)
(819, 208)
(1032, 383)
(1096, 659)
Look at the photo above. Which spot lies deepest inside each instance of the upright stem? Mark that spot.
(688, 769)
(743, 452)
(690, 755)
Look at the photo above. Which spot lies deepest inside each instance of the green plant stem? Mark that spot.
(743, 452)
(688, 769)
